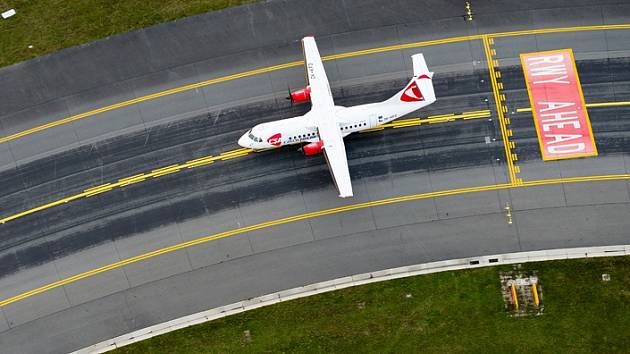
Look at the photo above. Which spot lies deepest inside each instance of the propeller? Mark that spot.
(289, 97)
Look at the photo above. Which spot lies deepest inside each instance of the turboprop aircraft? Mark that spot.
(325, 125)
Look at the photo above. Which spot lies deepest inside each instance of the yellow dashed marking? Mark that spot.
(98, 189)
(131, 180)
(228, 155)
(165, 171)
(199, 162)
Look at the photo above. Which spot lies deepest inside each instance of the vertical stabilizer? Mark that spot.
(419, 91)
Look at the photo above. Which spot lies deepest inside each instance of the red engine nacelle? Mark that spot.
(313, 148)
(302, 95)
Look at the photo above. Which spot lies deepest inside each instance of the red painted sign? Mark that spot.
(275, 139)
(562, 122)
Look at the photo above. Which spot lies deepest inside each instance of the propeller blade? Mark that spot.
(289, 97)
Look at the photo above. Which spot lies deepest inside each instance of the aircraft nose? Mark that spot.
(244, 141)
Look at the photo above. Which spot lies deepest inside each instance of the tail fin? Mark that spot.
(420, 88)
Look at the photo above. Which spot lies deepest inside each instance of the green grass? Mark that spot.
(453, 312)
(50, 25)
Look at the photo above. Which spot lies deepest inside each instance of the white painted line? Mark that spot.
(358, 279)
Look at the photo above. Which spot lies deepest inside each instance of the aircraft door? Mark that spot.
(372, 120)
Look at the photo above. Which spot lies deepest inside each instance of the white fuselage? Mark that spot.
(302, 129)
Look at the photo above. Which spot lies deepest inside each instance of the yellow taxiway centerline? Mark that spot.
(123, 182)
(228, 155)
(299, 217)
(207, 160)
(298, 63)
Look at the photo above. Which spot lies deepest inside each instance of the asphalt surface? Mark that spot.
(88, 233)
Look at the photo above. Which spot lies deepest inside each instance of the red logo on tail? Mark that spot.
(275, 139)
(412, 93)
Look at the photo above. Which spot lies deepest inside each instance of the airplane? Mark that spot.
(325, 125)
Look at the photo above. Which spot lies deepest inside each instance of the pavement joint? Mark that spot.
(351, 281)
(225, 156)
(489, 38)
(302, 217)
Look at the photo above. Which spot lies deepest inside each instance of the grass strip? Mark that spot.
(44, 26)
(451, 312)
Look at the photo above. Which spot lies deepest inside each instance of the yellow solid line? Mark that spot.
(607, 104)
(148, 97)
(481, 114)
(97, 188)
(228, 155)
(372, 130)
(559, 30)
(298, 63)
(233, 156)
(497, 102)
(237, 151)
(42, 207)
(131, 180)
(299, 217)
(441, 120)
(535, 290)
(441, 116)
(588, 105)
(477, 117)
(401, 46)
(91, 194)
(164, 171)
(410, 120)
(229, 78)
(199, 162)
(485, 111)
(405, 125)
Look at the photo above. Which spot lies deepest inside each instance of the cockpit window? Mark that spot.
(254, 137)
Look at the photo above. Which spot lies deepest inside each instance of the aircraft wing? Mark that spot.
(316, 75)
(335, 152)
(323, 111)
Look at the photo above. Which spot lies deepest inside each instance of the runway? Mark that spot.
(457, 169)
